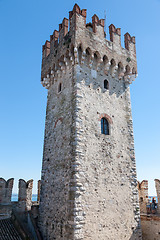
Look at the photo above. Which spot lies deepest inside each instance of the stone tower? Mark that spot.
(89, 186)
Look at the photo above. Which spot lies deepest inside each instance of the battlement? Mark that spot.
(143, 194)
(83, 43)
(24, 202)
(157, 185)
(149, 210)
(6, 190)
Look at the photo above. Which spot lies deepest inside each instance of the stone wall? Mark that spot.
(150, 227)
(5, 197)
(107, 201)
(143, 195)
(56, 200)
(24, 202)
(25, 195)
(88, 185)
(157, 185)
(150, 218)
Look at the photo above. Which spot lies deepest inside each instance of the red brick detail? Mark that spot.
(76, 9)
(70, 14)
(47, 44)
(84, 13)
(60, 27)
(118, 31)
(133, 39)
(54, 37)
(113, 30)
(59, 119)
(101, 22)
(65, 26)
(95, 19)
(104, 115)
(96, 22)
(128, 39)
(65, 22)
(46, 48)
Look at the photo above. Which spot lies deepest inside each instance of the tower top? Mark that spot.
(74, 34)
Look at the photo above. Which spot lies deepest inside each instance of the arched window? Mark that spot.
(60, 87)
(104, 126)
(106, 84)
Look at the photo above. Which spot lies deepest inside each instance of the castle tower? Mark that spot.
(88, 186)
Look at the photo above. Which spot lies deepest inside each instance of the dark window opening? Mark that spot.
(106, 84)
(104, 126)
(141, 199)
(60, 87)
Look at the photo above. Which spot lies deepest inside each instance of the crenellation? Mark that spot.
(63, 29)
(46, 49)
(5, 197)
(95, 21)
(6, 190)
(62, 39)
(143, 195)
(115, 35)
(54, 38)
(25, 195)
(130, 43)
(76, 9)
(149, 211)
(157, 185)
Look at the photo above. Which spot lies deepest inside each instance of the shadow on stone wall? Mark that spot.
(137, 235)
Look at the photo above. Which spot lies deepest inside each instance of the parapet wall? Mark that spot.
(150, 220)
(5, 197)
(157, 185)
(24, 202)
(96, 26)
(76, 45)
(6, 190)
(143, 195)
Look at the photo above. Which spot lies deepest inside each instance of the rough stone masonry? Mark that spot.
(89, 185)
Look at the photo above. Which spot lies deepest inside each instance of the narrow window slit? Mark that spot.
(104, 126)
(106, 84)
(60, 87)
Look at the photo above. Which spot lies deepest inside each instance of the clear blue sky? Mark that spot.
(24, 26)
